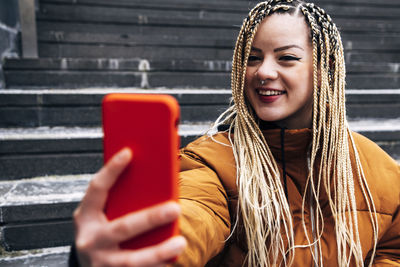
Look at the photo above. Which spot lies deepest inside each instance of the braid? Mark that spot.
(262, 205)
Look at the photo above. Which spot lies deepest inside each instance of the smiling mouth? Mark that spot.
(270, 92)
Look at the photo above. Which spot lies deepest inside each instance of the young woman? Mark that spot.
(281, 181)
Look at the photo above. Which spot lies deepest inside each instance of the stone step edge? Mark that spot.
(24, 257)
(50, 189)
(61, 132)
(375, 125)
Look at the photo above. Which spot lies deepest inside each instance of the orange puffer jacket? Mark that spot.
(208, 196)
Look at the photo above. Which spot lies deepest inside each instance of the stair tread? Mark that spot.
(55, 256)
(80, 132)
(67, 188)
(371, 125)
(44, 190)
(219, 19)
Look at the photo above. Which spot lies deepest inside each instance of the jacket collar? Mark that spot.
(296, 142)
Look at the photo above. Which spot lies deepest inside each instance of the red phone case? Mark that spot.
(146, 123)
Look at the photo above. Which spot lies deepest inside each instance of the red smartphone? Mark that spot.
(148, 125)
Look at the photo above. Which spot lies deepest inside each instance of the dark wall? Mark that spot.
(9, 28)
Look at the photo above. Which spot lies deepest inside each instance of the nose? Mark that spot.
(267, 71)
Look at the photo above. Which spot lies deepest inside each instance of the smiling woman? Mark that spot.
(288, 73)
(280, 180)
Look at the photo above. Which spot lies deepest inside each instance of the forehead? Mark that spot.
(283, 28)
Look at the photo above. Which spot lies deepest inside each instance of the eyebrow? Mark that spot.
(279, 48)
(287, 47)
(255, 49)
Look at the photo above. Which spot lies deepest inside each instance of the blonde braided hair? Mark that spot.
(263, 207)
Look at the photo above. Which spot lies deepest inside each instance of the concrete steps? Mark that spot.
(36, 212)
(81, 108)
(335, 8)
(87, 39)
(63, 21)
(47, 132)
(56, 132)
(34, 108)
(49, 257)
(32, 152)
(181, 44)
(43, 151)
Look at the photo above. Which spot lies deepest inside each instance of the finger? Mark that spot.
(150, 256)
(142, 221)
(97, 192)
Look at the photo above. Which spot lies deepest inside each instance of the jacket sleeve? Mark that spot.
(205, 219)
(383, 176)
(388, 249)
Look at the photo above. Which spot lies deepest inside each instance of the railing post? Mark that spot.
(28, 28)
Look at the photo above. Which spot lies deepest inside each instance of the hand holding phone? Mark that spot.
(97, 239)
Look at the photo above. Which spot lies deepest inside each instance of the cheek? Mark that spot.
(306, 77)
(302, 85)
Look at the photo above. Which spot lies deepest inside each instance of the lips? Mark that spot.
(269, 95)
(270, 92)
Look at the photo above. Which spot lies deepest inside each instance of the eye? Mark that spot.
(253, 58)
(289, 58)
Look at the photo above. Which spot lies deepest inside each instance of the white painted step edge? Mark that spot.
(26, 257)
(44, 190)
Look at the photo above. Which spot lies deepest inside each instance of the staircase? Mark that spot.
(50, 121)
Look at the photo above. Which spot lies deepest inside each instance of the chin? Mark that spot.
(269, 116)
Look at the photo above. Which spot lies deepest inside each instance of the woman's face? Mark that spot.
(279, 76)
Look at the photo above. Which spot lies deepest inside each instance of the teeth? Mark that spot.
(270, 92)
